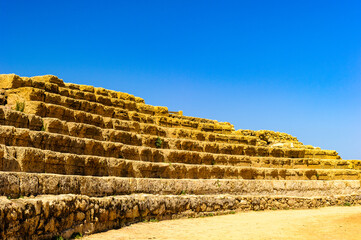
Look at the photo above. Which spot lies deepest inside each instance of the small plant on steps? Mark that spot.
(158, 142)
(20, 106)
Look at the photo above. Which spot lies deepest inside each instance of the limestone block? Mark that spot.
(139, 100)
(49, 79)
(10, 81)
(125, 96)
(161, 111)
(86, 88)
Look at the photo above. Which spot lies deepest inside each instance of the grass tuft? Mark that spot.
(20, 106)
(158, 142)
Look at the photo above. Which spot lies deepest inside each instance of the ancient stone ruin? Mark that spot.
(80, 159)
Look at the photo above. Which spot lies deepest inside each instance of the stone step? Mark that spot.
(55, 111)
(36, 97)
(22, 120)
(20, 159)
(28, 94)
(49, 110)
(32, 154)
(49, 216)
(52, 84)
(53, 125)
(174, 143)
(12, 136)
(261, 151)
(16, 184)
(82, 130)
(21, 137)
(126, 137)
(87, 131)
(19, 119)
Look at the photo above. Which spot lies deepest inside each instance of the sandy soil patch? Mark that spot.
(314, 224)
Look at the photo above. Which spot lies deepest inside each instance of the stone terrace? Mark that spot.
(80, 159)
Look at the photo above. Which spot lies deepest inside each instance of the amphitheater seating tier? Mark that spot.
(117, 160)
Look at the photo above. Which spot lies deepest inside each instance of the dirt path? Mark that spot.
(314, 224)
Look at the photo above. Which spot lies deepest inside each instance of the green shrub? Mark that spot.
(158, 142)
(151, 220)
(17, 197)
(20, 106)
(76, 235)
(43, 127)
(57, 238)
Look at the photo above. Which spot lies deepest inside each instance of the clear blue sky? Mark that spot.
(289, 66)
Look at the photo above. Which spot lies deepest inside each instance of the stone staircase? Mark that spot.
(75, 158)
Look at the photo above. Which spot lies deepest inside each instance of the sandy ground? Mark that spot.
(314, 224)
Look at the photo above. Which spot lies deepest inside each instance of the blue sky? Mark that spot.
(289, 66)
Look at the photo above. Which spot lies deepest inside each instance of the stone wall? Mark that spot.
(14, 185)
(46, 216)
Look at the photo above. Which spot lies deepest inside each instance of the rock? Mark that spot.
(80, 216)
(10, 81)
